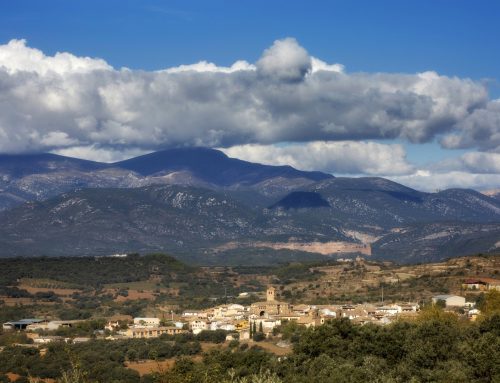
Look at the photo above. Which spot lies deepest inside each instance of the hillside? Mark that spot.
(301, 200)
(206, 225)
(109, 221)
(435, 241)
(25, 178)
(90, 271)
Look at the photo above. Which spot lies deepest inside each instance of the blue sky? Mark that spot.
(453, 38)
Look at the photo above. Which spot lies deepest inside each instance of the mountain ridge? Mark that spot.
(196, 201)
(186, 219)
(35, 177)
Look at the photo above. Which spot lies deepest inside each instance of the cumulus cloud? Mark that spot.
(17, 57)
(472, 162)
(475, 170)
(204, 66)
(318, 65)
(429, 181)
(65, 102)
(345, 157)
(481, 128)
(99, 154)
(285, 60)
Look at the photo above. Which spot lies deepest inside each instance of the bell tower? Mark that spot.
(270, 293)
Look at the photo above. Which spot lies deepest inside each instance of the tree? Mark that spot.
(74, 375)
(490, 303)
(441, 303)
(258, 337)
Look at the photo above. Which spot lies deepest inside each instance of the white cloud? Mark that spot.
(480, 128)
(285, 60)
(60, 139)
(95, 153)
(471, 162)
(475, 170)
(429, 181)
(15, 57)
(204, 66)
(344, 157)
(80, 105)
(318, 65)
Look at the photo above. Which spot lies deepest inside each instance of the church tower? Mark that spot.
(270, 293)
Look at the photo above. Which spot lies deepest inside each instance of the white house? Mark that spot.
(450, 300)
(147, 322)
(194, 313)
(198, 326)
(389, 310)
(328, 312)
(267, 324)
(179, 324)
(222, 326)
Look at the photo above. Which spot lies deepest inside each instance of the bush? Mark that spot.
(259, 337)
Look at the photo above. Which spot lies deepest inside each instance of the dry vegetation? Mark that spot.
(366, 280)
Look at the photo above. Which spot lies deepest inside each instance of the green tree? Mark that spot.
(490, 303)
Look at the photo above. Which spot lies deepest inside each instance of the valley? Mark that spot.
(97, 310)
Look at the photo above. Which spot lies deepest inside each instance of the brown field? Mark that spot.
(138, 285)
(133, 295)
(12, 377)
(17, 301)
(148, 366)
(59, 292)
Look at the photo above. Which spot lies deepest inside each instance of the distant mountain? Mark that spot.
(436, 241)
(212, 166)
(201, 203)
(359, 202)
(14, 166)
(108, 221)
(37, 177)
(368, 208)
(201, 222)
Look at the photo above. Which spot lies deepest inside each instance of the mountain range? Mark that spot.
(198, 202)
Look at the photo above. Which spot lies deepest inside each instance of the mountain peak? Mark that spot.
(211, 165)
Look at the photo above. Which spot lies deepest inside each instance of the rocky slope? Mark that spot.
(186, 219)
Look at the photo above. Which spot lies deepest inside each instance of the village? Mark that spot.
(244, 322)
